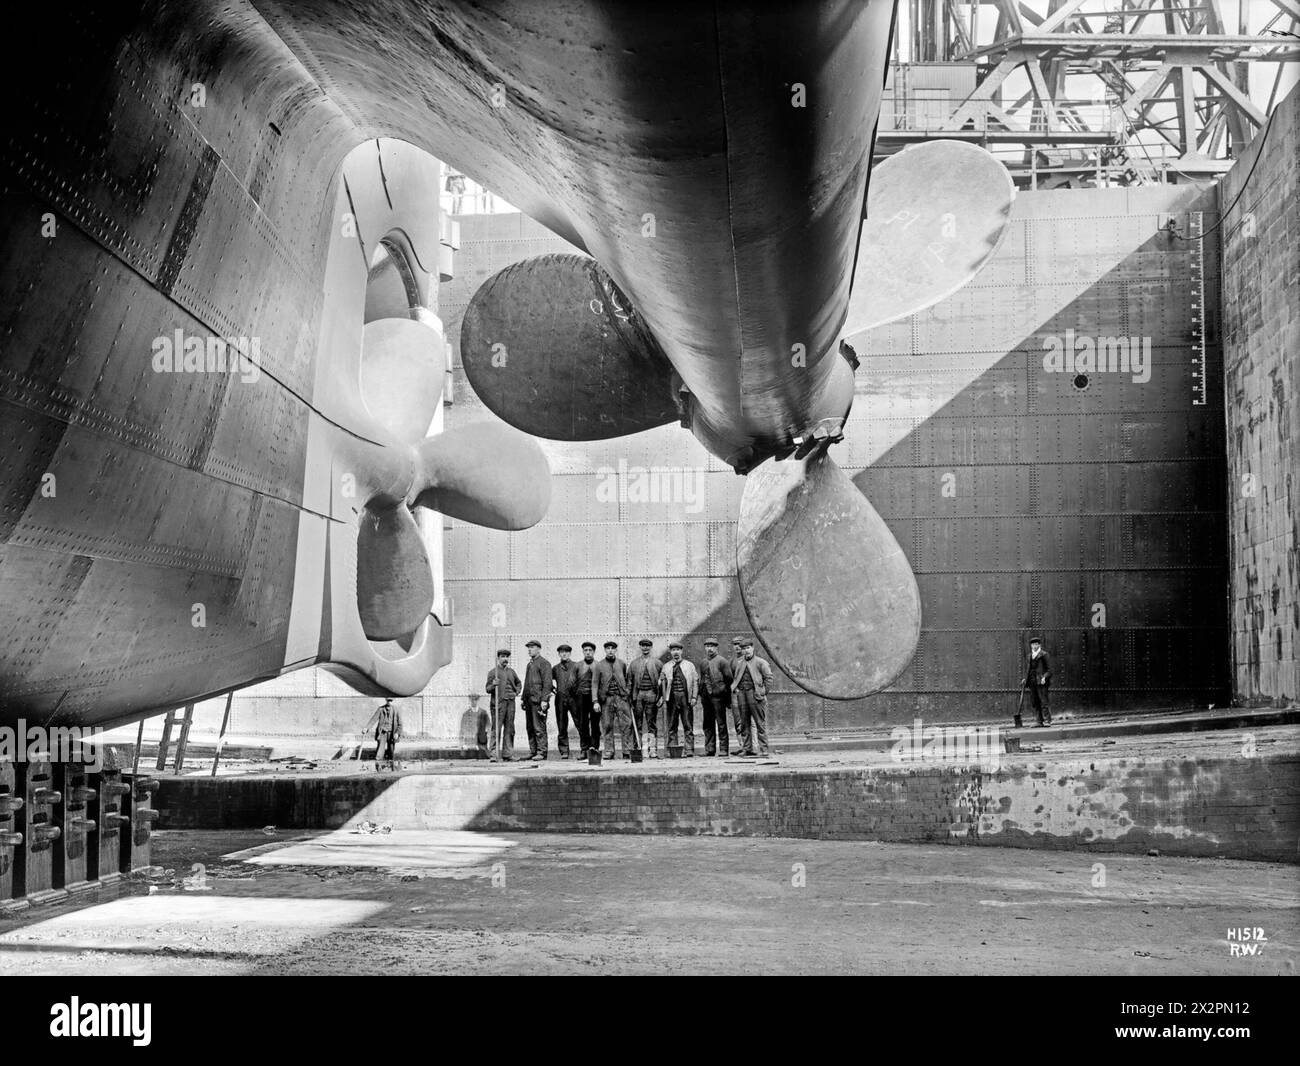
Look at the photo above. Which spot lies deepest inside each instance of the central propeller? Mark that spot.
(825, 583)
(553, 347)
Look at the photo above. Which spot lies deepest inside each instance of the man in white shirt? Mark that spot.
(679, 688)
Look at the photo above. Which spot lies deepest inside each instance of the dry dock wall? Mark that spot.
(1240, 808)
(1261, 340)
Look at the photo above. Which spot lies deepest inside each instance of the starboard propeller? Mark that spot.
(402, 375)
(486, 474)
(394, 581)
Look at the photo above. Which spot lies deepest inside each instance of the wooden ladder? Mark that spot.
(182, 717)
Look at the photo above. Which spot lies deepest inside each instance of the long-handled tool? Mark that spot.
(361, 743)
(637, 755)
(494, 714)
(1019, 706)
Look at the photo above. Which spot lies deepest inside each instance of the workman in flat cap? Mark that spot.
(646, 700)
(1038, 681)
(749, 690)
(610, 691)
(715, 699)
(565, 675)
(679, 688)
(538, 684)
(503, 686)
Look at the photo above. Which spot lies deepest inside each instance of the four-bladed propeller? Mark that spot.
(552, 347)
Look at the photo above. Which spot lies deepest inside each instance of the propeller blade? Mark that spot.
(394, 579)
(826, 586)
(485, 473)
(403, 368)
(552, 347)
(936, 213)
(387, 294)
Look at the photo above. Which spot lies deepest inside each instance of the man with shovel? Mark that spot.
(503, 686)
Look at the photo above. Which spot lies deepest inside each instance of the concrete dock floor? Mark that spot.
(474, 903)
(1275, 739)
(252, 753)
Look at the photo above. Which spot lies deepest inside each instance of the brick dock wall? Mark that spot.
(1241, 808)
(1261, 350)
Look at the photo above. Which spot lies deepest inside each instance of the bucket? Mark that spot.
(593, 757)
(675, 751)
(636, 754)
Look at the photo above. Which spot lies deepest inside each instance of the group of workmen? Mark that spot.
(634, 703)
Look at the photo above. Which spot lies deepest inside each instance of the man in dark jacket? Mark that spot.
(737, 716)
(588, 719)
(749, 691)
(646, 699)
(610, 689)
(537, 698)
(1038, 680)
(715, 695)
(388, 731)
(503, 687)
(565, 675)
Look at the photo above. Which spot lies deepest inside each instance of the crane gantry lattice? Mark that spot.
(1092, 91)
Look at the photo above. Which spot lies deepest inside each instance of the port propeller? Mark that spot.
(552, 347)
(936, 213)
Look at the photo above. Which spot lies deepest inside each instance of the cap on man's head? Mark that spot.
(747, 643)
(533, 644)
(737, 641)
(564, 647)
(611, 643)
(675, 646)
(710, 643)
(504, 651)
(1034, 640)
(588, 644)
(646, 642)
